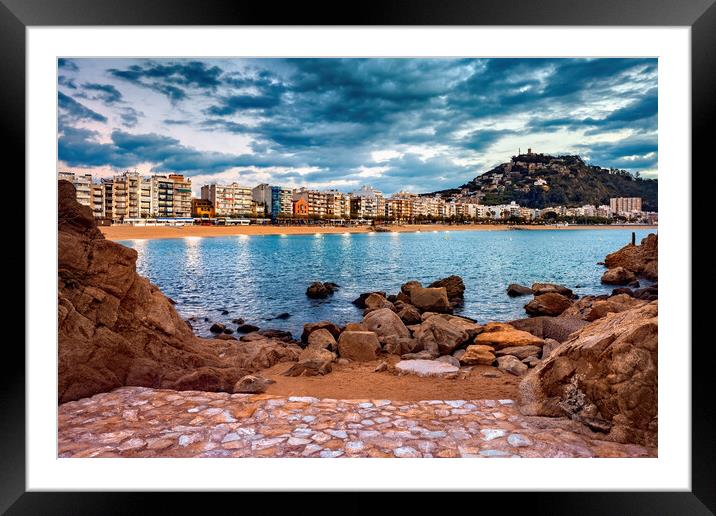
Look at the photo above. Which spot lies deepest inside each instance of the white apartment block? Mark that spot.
(231, 200)
(367, 203)
(83, 186)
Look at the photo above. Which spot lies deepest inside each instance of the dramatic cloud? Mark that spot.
(420, 124)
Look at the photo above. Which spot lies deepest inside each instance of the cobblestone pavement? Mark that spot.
(142, 422)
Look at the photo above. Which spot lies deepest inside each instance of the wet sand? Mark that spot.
(121, 232)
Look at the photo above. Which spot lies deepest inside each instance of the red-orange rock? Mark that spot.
(640, 259)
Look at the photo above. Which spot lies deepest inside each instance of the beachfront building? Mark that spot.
(202, 208)
(338, 205)
(367, 203)
(162, 203)
(315, 200)
(429, 207)
(262, 195)
(97, 200)
(182, 195)
(300, 207)
(83, 186)
(625, 205)
(399, 208)
(127, 196)
(281, 202)
(231, 200)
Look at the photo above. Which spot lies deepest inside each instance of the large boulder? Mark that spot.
(309, 328)
(515, 290)
(410, 315)
(430, 299)
(406, 288)
(385, 323)
(454, 288)
(439, 335)
(545, 288)
(359, 346)
(512, 365)
(117, 329)
(550, 303)
(426, 368)
(605, 376)
(252, 384)
(360, 300)
(546, 327)
(322, 339)
(506, 336)
(618, 276)
(641, 259)
(591, 308)
(312, 362)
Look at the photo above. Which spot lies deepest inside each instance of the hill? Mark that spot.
(540, 180)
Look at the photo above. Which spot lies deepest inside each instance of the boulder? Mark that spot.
(360, 300)
(318, 290)
(512, 365)
(399, 345)
(520, 352)
(247, 328)
(217, 328)
(545, 288)
(623, 290)
(514, 290)
(385, 323)
(550, 303)
(405, 288)
(454, 288)
(531, 361)
(410, 315)
(604, 376)
(468, 325)
(478, 354)
(557, 328)
(312, 362)
(377, 302)
(116, 329)
(355, 326)
(252, 384)
(641, 259)
(426, 368)
(430, 299)
(309, 328)
(283, 335)
(649, 293)
(322, 339)
(591, 308)
(420, 355)
(508, 337)
(439, 336)
(359, 346)
(618, 276)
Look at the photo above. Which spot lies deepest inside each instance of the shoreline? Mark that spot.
(121, 232)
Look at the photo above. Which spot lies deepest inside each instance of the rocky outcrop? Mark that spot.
(642, 260)
(359, 346)
(385, 323)
(440, 335)
(377, 302)
(545, 327)
(500, 335)
(604, 376)
(360, 300)
(477, 354)
(309, 328)
(117, 329)
(252, 384)
(318, 290)
(591, 308)
(545, 288)
(550, 303)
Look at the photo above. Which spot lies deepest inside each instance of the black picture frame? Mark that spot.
(700, 15)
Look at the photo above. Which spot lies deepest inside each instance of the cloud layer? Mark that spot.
(417, 124)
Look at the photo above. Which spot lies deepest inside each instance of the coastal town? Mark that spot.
(132, 199)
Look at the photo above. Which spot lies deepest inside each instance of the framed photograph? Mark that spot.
(270, 248)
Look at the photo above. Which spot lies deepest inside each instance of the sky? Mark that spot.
(409, 124)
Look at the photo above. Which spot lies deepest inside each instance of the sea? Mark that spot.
(259, 277)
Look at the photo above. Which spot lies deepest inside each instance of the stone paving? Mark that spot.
(142, 422)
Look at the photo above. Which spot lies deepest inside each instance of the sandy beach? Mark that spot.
(122, 232)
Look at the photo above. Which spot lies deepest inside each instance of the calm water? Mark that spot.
(258, 277)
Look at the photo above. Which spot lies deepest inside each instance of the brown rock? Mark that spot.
(430, 299)
(454, 288)
(385, 323)
(410, 315)
(549, 346)
(405, 288)
(359, 346)
(507, 337)
(604, 376)
(399, 345)
(618, 276)
(520, 352)
(439, 336)
(545, 288)
(360, 300)
(514, 290)
(309, 328)
(252, 384)
(322, 339)
(641, 259)
(512, 365)
(116, 328)
(355, 326)
(318, 290)
(377, 302)
(591, 308)
(478, 354)
(551, 303)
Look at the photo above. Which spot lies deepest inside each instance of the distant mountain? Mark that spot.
(540, 180)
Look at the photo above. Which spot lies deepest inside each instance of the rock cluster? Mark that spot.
(117, 329)
(604, 376)
(641, 260)
(318, 290)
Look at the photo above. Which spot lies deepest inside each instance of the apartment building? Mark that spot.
(625, 204)
(338, 205)
(232, 200)
(367, 203)
(182, 195)
(262, 196)
(400, 209)
(316, 201)
(83, 186)
(281, 202)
